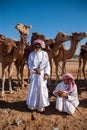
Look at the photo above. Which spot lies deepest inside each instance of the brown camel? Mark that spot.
(82, 58)
(20, 61)
(59, 39)
(64, 54)
(10, 51)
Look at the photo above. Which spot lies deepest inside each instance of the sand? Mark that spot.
(14, 114)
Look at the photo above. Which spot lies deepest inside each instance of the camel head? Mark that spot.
(36, 35)
(61, 37)
(2, 38)
(24, 31)
(49, 42)
(78, 36)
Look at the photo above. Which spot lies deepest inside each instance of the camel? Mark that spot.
(64, 54)
(10, 51)
(59, 39)
(19, 63)
(82, 58)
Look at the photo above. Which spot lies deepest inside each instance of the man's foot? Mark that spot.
(31, 108)
(41, 109)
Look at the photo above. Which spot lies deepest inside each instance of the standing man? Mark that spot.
(39, 66)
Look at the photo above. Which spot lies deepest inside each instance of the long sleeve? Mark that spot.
(30, 62)
(47, 66)
(73, 95)
(56, 89)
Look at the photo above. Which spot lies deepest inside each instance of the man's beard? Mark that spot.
(38, 48)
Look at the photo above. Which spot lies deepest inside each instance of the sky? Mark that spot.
(47, 17)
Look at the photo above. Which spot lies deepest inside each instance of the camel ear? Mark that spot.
(72, 33)
(30, 26)
(70, 37)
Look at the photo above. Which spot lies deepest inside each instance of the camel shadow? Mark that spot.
(81, 85)
(6, 86)
(83, 103)
(18, 106)
(22, 107)
(13, 83)
(51, 110)
(51, 84)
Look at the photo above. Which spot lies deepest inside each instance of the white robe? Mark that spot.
(67, 105)
(38, 91)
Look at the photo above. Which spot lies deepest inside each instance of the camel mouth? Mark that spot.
(30, 26)
(16, 26)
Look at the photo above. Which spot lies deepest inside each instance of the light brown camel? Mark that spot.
(19, 62)
(64, 54)
(10, 51)
(82, 58)
(59, 39)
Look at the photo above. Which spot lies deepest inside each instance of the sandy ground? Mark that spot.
(14, 114)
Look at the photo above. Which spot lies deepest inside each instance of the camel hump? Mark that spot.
(63, 46)
(84, 48)
(10, 42)
(8, 45)
(2, 38)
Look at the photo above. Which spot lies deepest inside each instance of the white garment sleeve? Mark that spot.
(56, 89)
(73, 95)
(47, 66)
(30, 62)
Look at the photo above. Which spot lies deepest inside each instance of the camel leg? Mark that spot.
(3, 80)
(18, 73)
(56, 68)
(10, 70)
(57, 76)
(51, 69)
(22, 78)
(83, 69)
(63, 67)
(79, 68)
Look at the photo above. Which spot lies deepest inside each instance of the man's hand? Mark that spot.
(58, 93)
(61, 94)
(46, 76)
(64, 95)
(37, 71)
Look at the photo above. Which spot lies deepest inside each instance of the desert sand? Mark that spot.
(14, 114)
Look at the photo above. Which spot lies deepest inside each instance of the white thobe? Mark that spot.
(67, 105)
(38, 91)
